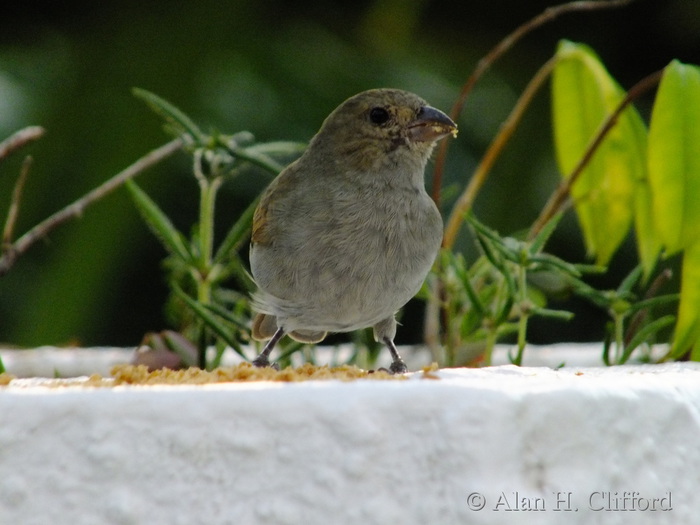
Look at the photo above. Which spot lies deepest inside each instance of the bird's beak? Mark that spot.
(430, 125)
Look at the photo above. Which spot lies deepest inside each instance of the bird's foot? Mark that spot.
(397, 367)
(262, 361)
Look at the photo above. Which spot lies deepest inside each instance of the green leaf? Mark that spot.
(280, 147)
(258, 159)
(653, 302)
(583, 95)
(538, 242)
(607, 344)
(476, 303)
(551, 262)
(238, 233)
(674, 157)
(159, 223)
(645, 334)
(179, 123)
(648, 242)
(211, 320)
(630, 281)
(227, 316)
(559, 315)
(687, 333)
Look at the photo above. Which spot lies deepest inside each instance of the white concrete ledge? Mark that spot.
(51, 361)
(579, 445)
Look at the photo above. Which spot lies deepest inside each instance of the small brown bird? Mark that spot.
(345, 236)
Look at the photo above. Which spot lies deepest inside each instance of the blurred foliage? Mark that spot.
(276, 69)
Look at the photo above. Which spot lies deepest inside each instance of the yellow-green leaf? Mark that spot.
(687, 334)
(648, 244)
(674, 157)
(583, 95)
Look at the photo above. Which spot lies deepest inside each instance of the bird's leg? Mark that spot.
(263, 359)
(397, 364)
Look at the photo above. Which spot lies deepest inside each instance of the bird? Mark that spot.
(345, 236)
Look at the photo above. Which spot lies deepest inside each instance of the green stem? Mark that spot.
(207, 205)
(453, 337)
(619, 336)
(490, 344)
(208, 190)
(524, 313)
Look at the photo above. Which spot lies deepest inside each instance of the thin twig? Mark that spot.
(548, 15)
(558, 199)
(13, 212)
(76, 208)
(466, 199)
(19, 139)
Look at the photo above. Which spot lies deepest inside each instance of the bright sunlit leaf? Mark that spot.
(674, 157)
(583, 95)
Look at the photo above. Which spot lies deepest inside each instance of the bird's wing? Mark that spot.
(276, 193)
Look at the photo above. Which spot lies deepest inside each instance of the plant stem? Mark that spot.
(19, 139)
(13, 212)
(208, 189)
(205, 277)
(10, 254)
(548, 15)
(524, 313)
(466, 199)
(619, 336)
(490, 344)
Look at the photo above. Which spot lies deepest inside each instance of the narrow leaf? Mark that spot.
(583, 95)
(653, 302)
(176, 119)
(560, 315)
(238, 233)
(674, 157)
(648, 242)
(210, 319)
(227, 315)
(607, 344)
(552, 262)
(645, 334)
(281, 147)
(687, 334)
(257, 158)
(159, 223)
(538, 242)
(476, 303)
(630, 281)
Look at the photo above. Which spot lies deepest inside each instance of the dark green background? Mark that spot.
(275, 68)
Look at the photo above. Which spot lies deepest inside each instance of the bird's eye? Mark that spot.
(378, 115)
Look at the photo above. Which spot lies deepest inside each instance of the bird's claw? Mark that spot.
(263, 362)
(396, 367)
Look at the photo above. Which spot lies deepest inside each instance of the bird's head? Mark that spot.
(382, 128)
